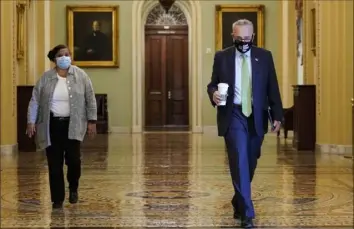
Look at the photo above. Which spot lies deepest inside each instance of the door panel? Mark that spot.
(166, 77)
(155, 90)
(177, 80)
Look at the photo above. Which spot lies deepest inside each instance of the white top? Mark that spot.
(238, 71)
(60, 101)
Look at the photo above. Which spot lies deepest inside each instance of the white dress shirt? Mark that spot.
(60, 102)
(238, 76)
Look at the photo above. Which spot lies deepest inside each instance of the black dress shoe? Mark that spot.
(247, 222)
(237, 215)
(73, 198)
(57, 205)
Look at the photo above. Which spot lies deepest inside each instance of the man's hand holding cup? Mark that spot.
(220, 96)
(216, 97)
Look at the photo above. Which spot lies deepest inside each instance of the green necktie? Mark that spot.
(246, 89)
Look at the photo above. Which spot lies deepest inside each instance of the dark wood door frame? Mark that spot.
(168, 32)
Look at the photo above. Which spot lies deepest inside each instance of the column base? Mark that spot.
(8, 149)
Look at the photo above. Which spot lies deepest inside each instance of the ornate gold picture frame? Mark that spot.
(226, 15)
(93, 35)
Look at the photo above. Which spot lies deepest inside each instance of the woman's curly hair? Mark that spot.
(52, 53)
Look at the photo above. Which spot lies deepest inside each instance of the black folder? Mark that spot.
(271, 119)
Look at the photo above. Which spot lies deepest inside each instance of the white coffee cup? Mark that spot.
(222, 88)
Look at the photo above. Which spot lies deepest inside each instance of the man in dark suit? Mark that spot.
(98, 47)
(253, 88)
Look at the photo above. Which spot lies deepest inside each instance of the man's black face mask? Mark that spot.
(243, 46)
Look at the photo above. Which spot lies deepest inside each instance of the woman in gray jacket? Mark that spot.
(62, 109)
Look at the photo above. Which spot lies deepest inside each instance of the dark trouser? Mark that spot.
(244, 148)
(62, 147)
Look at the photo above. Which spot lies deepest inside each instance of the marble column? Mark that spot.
(8, 77)
(330, 67)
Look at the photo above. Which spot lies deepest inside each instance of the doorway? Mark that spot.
(166, 78)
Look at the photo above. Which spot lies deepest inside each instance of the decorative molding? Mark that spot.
(20, 29)
(192, 11)
(14, 63)
(318, 58)
(285, 52)
(335, 149)
(8, 149)
(31, 75)
(158, 16)
(313, 30)
(302, 39)
(47, 30)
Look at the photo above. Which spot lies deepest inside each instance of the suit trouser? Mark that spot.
(244, 148)
(62, 148)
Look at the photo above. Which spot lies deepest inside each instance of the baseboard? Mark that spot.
(127, 130)
(197, 129)
(136, 129)
(335, 149)
(200, 129)
(120, 129)
(214, 129)
(8, 149)
(210, 129)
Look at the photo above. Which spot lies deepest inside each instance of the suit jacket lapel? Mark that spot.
(254, 67)
(231, 66)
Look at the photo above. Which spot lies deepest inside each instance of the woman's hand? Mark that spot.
(91, 129)
(31, 129)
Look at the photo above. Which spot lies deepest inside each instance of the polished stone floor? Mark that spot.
(179, 180)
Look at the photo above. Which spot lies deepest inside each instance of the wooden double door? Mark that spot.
(166, 78)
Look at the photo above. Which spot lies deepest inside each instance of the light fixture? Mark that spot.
(166, 4)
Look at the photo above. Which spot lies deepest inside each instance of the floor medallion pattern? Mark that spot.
(179, 180)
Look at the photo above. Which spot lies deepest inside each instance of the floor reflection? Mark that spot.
(166, 184)
(179, 180)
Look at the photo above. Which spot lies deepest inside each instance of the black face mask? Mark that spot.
(243, 46)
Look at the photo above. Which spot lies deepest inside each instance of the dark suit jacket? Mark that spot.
(265, 89)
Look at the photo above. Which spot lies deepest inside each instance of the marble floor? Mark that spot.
(159, 180)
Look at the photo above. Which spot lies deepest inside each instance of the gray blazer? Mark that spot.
(82, 99)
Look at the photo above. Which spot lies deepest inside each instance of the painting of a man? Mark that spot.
(226, 15)
(97, 45)
(93, 35)
(227, 20)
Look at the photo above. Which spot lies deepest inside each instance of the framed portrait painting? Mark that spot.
(93, 35)
(226, 15)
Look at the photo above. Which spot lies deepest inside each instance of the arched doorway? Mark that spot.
(166, 70)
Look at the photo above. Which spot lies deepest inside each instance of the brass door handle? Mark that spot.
(352, 102)
(169, 94)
